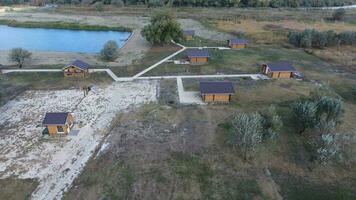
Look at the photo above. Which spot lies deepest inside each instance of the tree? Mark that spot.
(339, 14)
(304, 115)
(247, 132)
(109, 51)
(19, 56)
(163, 29)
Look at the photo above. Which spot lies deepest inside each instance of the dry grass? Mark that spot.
(276, 31)
(17, 189)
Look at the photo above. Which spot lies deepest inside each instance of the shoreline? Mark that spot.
(62, 25)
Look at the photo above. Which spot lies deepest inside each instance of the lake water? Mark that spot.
(59, 40)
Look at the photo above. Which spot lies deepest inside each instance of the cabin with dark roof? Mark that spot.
(197, 56)
(237, 43)
(58, 123)
(281, 69)
(188, 34)
(216, 91)
(76, 68)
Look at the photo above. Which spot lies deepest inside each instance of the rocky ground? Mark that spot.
(55, 162)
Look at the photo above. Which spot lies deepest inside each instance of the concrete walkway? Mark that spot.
(158, 63)
(111, 74)
(253, 76)
(188, 97)
(6, 71)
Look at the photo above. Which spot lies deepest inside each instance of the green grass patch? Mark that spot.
(298, 188)
(62, 25)
(247, 60)
(17, 189)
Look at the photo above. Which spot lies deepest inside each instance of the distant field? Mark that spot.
(17, 189)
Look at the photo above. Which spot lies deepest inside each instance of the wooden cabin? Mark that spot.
(77, 68)
(196, 56)
(188, 34)
(216, 91)
(237, 43)
(58, 123)
(282, 69)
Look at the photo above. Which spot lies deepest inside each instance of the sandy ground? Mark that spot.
(134, 49)
(25, 153)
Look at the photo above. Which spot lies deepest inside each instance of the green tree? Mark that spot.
(19, 56)
(109, 51)
(247, 132)
(162, 29)
(339, 14)
(304, 115)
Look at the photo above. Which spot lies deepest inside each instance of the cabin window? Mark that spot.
(60, 129)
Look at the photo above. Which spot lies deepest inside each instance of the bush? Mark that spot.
(19, 56)
(99, 6)
(271, 122)
(109, 51)
(339, 14)
(118, 3)
(163, 29)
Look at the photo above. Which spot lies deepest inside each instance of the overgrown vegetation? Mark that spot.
(61, 25)
(109, 51)
(163, 29)
(205, 3)
(311, 38)
(320, 115)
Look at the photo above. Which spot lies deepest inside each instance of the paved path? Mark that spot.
(111, 74)
(253, 76)
(158, 63)
(187, 97)
(338, 7)
(5, 71)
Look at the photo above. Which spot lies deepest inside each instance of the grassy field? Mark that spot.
(170, 151)
(154, 54)
(16, 189)
(247, 60)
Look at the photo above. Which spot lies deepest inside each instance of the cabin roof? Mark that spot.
(237, 41)
(188, 32)
(216, 87)
(197, 53)
(55, 118)
(281, 66)
(79, 64)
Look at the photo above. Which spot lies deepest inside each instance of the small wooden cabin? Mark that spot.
(282, 69)
(196, 56)
(188, 34)
(216, 91)
(237, 43)
(77, 68)
(58, 123)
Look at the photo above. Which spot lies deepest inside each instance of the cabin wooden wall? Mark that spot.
(238, 46)
(188, 37)
(216, 98)
(198, 60)
(75, 72)
(280, 75)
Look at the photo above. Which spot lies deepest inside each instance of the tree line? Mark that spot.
(200, 3)
(311, 38)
